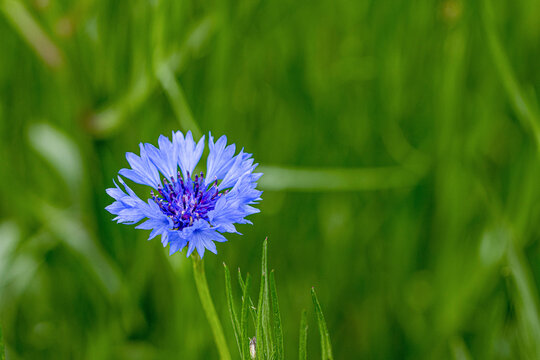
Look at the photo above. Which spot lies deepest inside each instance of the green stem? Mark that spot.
(2, 353)
(208, 306)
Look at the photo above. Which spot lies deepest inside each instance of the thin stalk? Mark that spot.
(2, 353)
(208, 306)
(523, 105)
(32, 32)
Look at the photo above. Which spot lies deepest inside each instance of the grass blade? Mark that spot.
(260, 321)
(525, 298)
(2, 356)
(278, 331)
(178, 100)
(112, 117)
(523, 105)
(337, 179)
(232, 311)
(251, 305)
(302, 352)
(326, 347)
(60, 151)
(32, 32)
(267, 328)
(244, 340)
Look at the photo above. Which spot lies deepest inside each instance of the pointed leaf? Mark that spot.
(326, 347)
(263, 341)
(267, 328)
(259, 330)
(278, 331)
(244, 316)
(232, 311)
(303, 337)
(1, 345)
(252, 309)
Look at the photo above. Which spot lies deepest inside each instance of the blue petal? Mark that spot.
(188, 152)
(227, 227)
(209, 244)
(220, 159)
(165, 237)
(115, 207)
(157, 225)
(199, 242)
(242, 165)
(226, 213)
(142, 169)
(115, 192)
(256, 176)
(129, 208)
(202, 237)
(176, 243)
(234, 206)
(164, 158)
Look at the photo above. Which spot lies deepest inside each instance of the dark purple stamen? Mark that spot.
(186, 201)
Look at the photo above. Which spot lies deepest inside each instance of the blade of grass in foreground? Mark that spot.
(2, 355)
(260, 311)
(267, 329)
(243, 322)
(251, 305)
(232, 311)
(303, 337)
(278, 331)
(326, 347)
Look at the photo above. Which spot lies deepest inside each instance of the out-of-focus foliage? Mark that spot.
(400, 141)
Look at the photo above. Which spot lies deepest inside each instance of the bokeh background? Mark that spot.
(400, 145)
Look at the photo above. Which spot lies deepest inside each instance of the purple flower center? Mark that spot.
(186, 201)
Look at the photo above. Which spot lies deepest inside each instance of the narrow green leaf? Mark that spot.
(326, 347)
(112, 117)
(68, 226)
(267, 328)
(60, 151)
(178, 100)
(252, 309)
(524, 106)
(263, 312)
(2, 355)
(232, 311)
(525, 298)
(338, 179)
(302, 353)
(459, 349)
(260, 326)
(244, 316)
(278, 331)
(32, 32)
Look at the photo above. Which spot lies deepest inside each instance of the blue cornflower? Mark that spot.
(182, 208)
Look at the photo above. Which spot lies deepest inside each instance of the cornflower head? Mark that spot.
(187, 209)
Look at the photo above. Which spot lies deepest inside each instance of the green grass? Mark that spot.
(399, 142)
(269, 334)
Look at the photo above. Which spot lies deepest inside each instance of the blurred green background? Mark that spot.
(400, 145)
